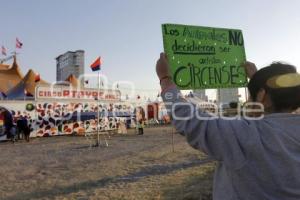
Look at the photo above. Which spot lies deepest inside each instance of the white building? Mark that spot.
(200, 93)
(227, 95)
(71, 62)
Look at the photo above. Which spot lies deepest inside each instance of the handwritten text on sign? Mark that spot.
(204, 57)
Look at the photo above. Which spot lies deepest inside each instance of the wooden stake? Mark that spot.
(173, 150)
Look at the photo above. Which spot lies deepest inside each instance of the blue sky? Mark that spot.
(127, 33)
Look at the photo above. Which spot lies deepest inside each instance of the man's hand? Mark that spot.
(162, 66)
(163, 72)
(250, 69)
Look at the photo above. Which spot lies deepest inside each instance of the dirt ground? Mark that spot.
(131, 167)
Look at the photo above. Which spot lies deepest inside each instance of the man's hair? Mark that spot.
(285, 98)
(260, 78)
(282, 98)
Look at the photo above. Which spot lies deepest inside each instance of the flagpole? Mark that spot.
(98, 113)
(246, 94)
(96, 66)
(173, 150)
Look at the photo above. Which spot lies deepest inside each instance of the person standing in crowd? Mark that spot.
(140, 119)
(8, 124)
(258, 158)
(23, 128)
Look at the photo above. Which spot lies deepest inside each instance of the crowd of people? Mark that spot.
(14, 128)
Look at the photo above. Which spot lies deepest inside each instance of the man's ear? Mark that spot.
(261, 96)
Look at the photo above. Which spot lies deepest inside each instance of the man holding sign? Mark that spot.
(259, 158)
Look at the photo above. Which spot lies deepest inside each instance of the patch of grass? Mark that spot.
(197, 185)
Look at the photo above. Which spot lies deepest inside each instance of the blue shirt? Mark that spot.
(257, 159)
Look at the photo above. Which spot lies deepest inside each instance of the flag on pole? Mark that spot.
(3, 51)
(96, 64)
(19, 44)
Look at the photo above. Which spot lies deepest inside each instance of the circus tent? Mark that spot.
(9, 76)
(73, 81)
(4, 66)
(26, 87)
(15, 86)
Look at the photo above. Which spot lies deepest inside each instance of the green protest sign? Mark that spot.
(205, 57)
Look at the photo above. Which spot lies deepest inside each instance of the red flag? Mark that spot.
(37, 78)
(95, 66)
(19, 44)
(3, 50)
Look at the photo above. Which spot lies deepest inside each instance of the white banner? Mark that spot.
(66, 93)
